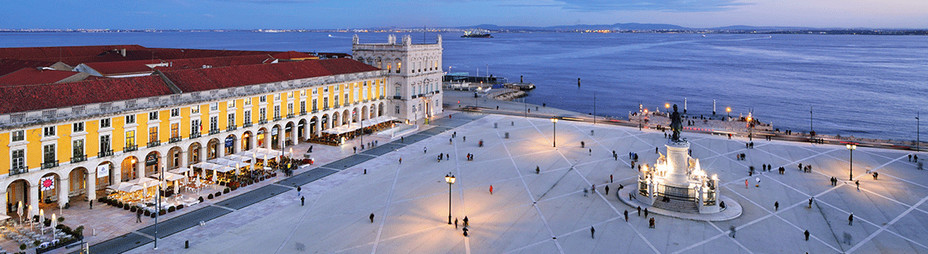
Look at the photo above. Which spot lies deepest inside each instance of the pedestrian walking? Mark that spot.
(491, 189)
(425, 149)
(810, 202)
(466, 222)
(857, 182)
(645, 212)
(806, 234)
(607, 189)
(585, 192)
(639, 211)
(302, 201)
(591, 151)
(298, 189)
(465, 231)
(850, 220)
(365, 171)
(455, 223)
(626, 215)
(372, 218)
(464, 138)
(355, 149)
(651, 223)
(401, 160)
(537, 170)
(610, 178)
(592, 232)
(732, 229)
(138, 216)
(776, 206)
(745, 183)
(91, 204)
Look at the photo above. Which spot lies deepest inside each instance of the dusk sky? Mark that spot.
(289, 14)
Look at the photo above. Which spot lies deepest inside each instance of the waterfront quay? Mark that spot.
(546, 211)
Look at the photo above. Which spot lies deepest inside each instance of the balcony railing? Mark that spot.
(303, 112)
(381, 97)
(315, 111)
(18, 170)
(154, 143)
(104, 153)
(290, 115)
(247, 124)
(231, 128)
(175, 139)
(213, 131)
(276, 118)
(325, 108)
(195, 135)
(130, 148)
(397, 97)
(79, 158)
(49, 164)
(262, 121)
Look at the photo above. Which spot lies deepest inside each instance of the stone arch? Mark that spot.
(346, 116)
(246, 141)
(379, 63)
(213, 149)
(193, 153)
(364, 114)
(174, 158)
(152, 163)
(380, 109)
(288, 133)
(275, 136)
(102, 181)
(129, 168)
(301, 130)
(261, 137)
(18, 193)
(77, 181)
(50, 196)
(228, 144)
(324, 122)
(313, 127)
(334, 120)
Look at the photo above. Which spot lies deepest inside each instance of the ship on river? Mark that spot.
(477, 33)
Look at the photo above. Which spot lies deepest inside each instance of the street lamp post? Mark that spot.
(449, 178)
(158, 206)
(851, 147)
(728, 111)
(918, 130)
(554, 141)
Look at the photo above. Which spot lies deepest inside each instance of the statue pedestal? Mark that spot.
(677, 154)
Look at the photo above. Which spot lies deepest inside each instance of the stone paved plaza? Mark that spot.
(548, 212)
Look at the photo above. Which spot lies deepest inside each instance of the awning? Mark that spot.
(144, 181)
(172, 177)
(211, 166)
(127, 187)
(179, 170)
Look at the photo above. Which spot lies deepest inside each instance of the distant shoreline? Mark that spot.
(897, 32)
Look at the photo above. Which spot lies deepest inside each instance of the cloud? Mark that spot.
(651, 5)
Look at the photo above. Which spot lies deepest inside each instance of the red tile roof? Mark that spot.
(53, 53)
(29, 76)
(216, 78)
(37, 97)
(123, 67)
(292, 55)
(10, 65)
(74, 55)
(198, 63)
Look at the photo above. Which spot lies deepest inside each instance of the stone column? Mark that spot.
(306, 128)
(252, 139)
(3, 199)
(92, 184)
(116, 173)
(33, 200)
(63, 189)
(140, 168)
(183, 159)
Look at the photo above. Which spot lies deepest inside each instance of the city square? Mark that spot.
(548, 212)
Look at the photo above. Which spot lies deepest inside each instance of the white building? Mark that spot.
(413, 74)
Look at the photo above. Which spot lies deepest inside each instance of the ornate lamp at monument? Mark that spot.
(449, 178)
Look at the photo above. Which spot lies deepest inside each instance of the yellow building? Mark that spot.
(86, 136)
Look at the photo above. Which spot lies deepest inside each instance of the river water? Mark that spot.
(866, 86)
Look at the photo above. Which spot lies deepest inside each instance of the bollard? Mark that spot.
(187, 244)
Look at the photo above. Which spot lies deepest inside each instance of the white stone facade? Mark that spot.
(414, 75)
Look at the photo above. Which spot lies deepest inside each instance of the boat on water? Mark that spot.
(477, 33)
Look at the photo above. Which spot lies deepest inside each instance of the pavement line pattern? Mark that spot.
(188, 220)
(529, 192)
